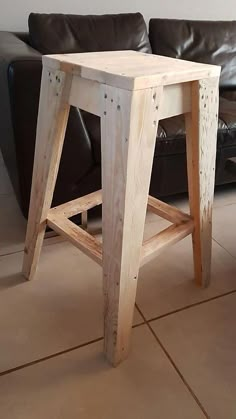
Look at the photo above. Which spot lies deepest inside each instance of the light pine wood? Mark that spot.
(84, 220)
(201, 135)
(80, 98)
(129, 126)
(78, 205)
(52, 120)
(131, 92)
(171, 235)
(77, 236)
(166, 211)
(176, 100)
(129, 69)
(176, 97)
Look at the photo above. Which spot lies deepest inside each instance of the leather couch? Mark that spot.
(80, 169)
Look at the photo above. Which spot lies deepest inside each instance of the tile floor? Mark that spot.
(182, 362)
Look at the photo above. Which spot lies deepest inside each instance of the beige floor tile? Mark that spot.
(179, 201)
(202, 343)
(81, 384)
(225, 195)
(60, 309)
(153, 225)
(13, 227)
(166, 283)
(224, 227)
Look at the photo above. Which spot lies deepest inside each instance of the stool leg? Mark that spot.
(201, 136)
(52, 121)
(84, 220)
(129, 125)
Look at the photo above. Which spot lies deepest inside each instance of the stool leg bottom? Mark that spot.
(201, 136)
(52, 121)
(129, 126)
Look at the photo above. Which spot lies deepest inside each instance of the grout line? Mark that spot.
(138, 324)
(223, 205)
(65, 351)
(223, 248)
(11, 253)
(174, 365)
(46, 358)
(192, 305)
(45, 244)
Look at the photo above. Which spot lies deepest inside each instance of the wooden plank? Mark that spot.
(85, 94)
(52, 121)
(77, 236)
(201, 129)
(176, 100)
(129, 125)
(84, 220)
(131, 70)
(171, 235)
(166, 211)
(78, 205)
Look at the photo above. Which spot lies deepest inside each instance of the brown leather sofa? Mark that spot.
(80, 169)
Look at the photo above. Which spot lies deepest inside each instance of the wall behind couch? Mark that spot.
(14, 13)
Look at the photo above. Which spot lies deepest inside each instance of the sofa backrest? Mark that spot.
(211, 42)
(58, 33)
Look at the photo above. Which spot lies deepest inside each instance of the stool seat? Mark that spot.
(130, 92)
(130, 70)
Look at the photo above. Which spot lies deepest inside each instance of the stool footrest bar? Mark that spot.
(171, 235)
(78, 205)
(166, 211)
(77, 236)
(58, 220)
(83, 204)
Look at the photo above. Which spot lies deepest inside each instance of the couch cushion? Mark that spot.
(172, 140)
(171, 131)
(58, 33)
(211, 42)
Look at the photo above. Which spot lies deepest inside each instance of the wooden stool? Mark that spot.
(131, 92)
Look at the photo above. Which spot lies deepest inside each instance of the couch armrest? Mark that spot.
(20, 79)
(20, 70)
(13, 48)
